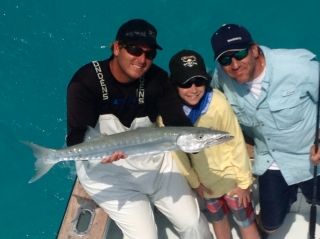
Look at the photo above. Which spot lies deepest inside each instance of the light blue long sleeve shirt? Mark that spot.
(282, 121)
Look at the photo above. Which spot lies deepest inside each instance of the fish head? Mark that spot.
(200, 138)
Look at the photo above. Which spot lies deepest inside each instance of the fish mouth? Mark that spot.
(219, 140)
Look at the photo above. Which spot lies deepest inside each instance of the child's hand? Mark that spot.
(200, 191)
(244, 196)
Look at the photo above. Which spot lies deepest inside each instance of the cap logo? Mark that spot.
(141, 34)
(189, 61)
(234, 39)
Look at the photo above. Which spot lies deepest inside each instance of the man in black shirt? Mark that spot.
(122, 93)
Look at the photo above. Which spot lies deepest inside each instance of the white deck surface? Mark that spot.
(295, 226)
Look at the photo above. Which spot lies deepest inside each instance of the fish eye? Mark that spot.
(200, 136)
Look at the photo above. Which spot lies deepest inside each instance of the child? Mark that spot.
(221, 175)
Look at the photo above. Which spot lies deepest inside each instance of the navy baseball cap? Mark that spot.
(230, 37)
(138, 30)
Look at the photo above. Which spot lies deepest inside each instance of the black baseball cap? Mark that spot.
(138, 30)
(186, 65)
(230, 37)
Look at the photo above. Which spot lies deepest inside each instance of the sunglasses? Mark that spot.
(238, 55)
(197, 81)
(138, 51)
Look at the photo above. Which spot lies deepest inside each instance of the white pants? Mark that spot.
(126, 190)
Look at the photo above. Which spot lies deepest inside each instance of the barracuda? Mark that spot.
(137, 142)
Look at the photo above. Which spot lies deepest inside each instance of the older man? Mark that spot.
(274, 93)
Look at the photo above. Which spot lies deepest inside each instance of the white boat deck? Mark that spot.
(295, 226)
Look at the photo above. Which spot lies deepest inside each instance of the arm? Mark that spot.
(244, 195)
(315, 156)
(183, 162)
(81, 112)
(237, 150)
(315, 153)
(83, 104)
(201, 190)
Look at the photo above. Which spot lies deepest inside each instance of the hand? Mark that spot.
(201, 189)
(315, 157)
(244, 196)
(114, 157)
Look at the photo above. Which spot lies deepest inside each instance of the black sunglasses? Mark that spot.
(238, 55)
(199, 81)
(138, 51)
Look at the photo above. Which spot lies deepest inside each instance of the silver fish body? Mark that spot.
(137, 142)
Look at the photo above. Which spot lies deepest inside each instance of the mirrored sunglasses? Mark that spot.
(199, 81)
(238, 55)
(138, 51)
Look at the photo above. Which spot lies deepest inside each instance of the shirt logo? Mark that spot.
(101, 79)
(287, 92)
(131, 100)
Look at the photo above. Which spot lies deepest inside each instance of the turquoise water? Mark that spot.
(42, 44)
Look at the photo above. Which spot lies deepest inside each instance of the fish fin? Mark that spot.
(92, 134)
(43, 163)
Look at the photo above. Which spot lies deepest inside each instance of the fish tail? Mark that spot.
(43, 163)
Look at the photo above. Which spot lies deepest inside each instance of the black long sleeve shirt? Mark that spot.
(85, 100)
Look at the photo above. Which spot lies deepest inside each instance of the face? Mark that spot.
(192, 95)
(128, 67)
(244, 70)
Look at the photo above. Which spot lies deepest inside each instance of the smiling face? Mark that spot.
(126, 67)
(247, 69)
(191, 96)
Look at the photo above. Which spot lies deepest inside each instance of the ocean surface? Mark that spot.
(43, 43)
